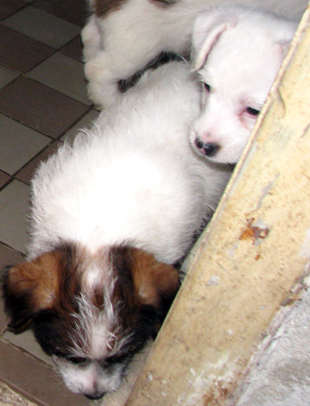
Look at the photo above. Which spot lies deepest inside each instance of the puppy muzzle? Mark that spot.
(95, 396)
(208, 149)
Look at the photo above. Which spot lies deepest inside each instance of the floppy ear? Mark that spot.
(208, 27)
(156, 283)
(29, 288)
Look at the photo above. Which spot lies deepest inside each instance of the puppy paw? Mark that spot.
(102, 94)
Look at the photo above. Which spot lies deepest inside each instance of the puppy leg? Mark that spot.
(102, 79)
(104, 71)
(128, 43)
(91, 39)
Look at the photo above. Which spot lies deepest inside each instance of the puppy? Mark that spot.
(121, 37)
(110, 218)
(237, 53)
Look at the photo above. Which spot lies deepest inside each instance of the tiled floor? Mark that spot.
(42, 100)
(42, 96)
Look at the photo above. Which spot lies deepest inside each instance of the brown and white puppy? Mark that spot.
(121, 37)
(91, 313)
(110, 217)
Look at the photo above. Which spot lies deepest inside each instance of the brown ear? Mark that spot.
(29, 288)
(156, 283)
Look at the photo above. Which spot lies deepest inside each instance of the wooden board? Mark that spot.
(247, 262)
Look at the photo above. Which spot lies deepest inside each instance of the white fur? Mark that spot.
(88, 379)
(133, 178)
(93, 327)
(237, 52)
(121, 43)
(78, 381)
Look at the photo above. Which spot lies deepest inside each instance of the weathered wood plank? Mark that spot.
(253, 252)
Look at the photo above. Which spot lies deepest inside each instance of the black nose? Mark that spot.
(94, 396)
(207, 148)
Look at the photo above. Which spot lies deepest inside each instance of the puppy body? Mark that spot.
(237, 54)
(109, 216)
(122, 40)
(122, 37)
(139, 180)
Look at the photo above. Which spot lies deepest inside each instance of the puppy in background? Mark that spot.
(237, 53)
(110, 218)
(121, 37)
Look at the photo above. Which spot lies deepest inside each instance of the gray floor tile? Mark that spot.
(46, 104)
(8, 257)
(28, 343)
(14, 203)
(19, 52)
(74, 11)
(44, 27)
(74, 49)
(63, 74)
(6, 76)
(26, 174)
(38, 106)
(4, 178)
(8, 7)
(83, 124)
(18, 144)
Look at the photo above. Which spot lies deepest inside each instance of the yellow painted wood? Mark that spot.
(247, 261)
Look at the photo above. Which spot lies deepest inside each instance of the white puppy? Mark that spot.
(123, 36)
(237, 54)
(110, 217)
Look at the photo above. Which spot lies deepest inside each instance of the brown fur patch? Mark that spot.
(145, 288)
(124, 292)
(39, 285)
(141, 272)
(152, 278)
(38, 277)
(44, 295)
(104, 7)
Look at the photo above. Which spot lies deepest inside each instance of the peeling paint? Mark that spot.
(192, 371)
(199, 385)
(266, 191)
(255, 230)
(213, 281)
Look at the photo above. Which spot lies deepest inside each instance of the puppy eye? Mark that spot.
(76, 360)
(112, 360)
(116, 359)
(252, 112)
(207, 87)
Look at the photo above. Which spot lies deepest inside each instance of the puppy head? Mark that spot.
(91, 313)
(237, 53)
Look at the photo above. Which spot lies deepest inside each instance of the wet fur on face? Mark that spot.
(91, 313)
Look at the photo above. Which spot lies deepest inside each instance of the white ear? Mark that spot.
(208, 27)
